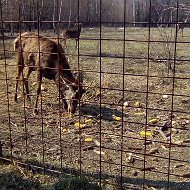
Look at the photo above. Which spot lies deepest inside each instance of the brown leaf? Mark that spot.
(152, 151)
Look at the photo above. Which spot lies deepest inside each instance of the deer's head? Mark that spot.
(74, 93)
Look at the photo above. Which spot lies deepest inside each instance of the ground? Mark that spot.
(111, 139)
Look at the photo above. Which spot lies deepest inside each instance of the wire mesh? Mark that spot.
(131, 126)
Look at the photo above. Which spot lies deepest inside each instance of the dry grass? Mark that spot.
(53, 139)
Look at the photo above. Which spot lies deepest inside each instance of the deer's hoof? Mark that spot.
(35, 112)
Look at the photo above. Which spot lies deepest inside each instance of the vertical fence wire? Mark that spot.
(100, 99)
(7, 88)
(147, 90)
(173, 94)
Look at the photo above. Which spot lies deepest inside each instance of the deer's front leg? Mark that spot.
(39, 79)
(20, 68)
(62, 88)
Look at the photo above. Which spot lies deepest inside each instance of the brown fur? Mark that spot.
(37, 53)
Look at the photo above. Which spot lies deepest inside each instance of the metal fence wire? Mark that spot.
(103, 90)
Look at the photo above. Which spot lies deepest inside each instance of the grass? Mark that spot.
(52, 138)
(14, 177)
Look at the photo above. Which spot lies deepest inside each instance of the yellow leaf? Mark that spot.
(70, 115)
(88, 121)
(80, 125)
(153, 121)
(65, 130)
(88, 139)
(137, 104)
(19, 97)
(145, 133)
(116, 118)
(97, 92)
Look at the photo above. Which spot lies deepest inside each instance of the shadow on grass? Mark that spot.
(67, 180)
(127, 182)
(75, 183)
(106, 112)
(33, 176)
(13, 181)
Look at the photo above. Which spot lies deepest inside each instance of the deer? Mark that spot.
(72, 33)
(35, 52)
(181, 26)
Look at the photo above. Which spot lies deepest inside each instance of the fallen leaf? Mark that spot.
(126, 104)
(65, 130)
(70, 115)
(145, 133)
(116, 118)
(96, 143)
(153, 121)
(34, 83)
(137, 104)
(99, 152)
(79, 125)
(19, 96)
(88, 139)
(178, 165)
(44, 88)
(97, 92)
(152, 151)
(88, 121)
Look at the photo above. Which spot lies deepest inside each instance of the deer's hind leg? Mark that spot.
(20, 67)
(29, 69)
(26, 77)
(39, 79)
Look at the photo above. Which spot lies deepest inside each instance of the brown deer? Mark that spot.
(72, 33)
(37, 53)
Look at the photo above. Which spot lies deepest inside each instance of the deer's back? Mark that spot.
(40, 51)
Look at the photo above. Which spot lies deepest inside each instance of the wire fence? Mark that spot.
(127, 80)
